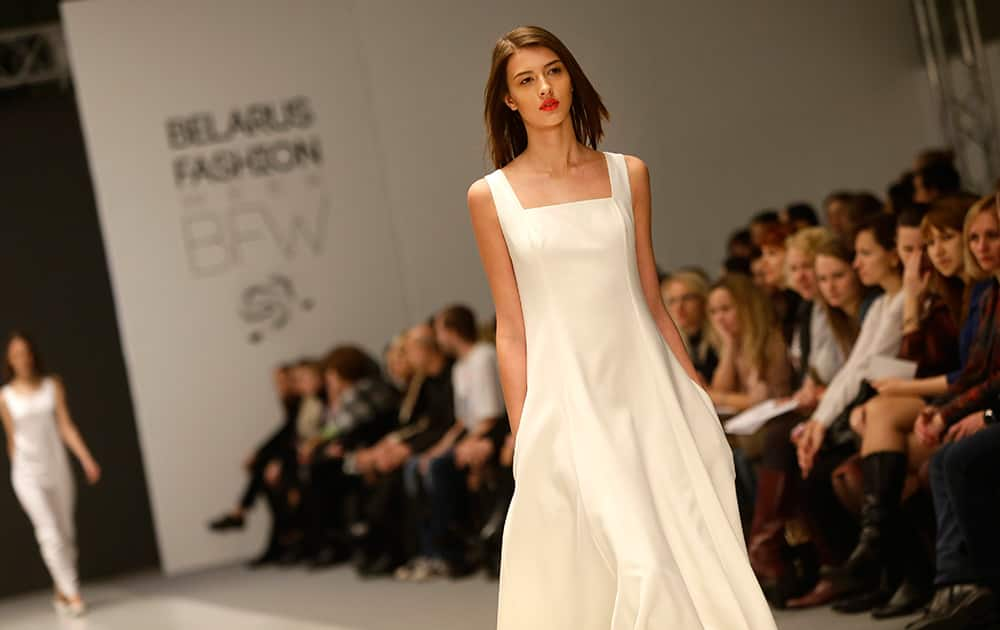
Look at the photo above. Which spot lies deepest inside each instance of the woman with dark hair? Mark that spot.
(932, 312)
(825, 440)
(625, 512)
(37, 422)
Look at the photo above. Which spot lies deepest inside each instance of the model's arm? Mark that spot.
(8, 428)
(510, 338)
(71, 436)
(638, 177)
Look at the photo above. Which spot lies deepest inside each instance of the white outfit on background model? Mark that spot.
(624, 515)
(43, 481)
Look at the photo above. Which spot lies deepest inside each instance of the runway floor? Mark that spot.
(294, 599)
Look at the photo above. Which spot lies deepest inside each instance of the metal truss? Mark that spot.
(31, 55)
(960, 81)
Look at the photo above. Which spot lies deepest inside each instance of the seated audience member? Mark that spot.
(935, 180)
(784, 301)
(963, 476)
(425, 415)
(979, 383)
(835, 206)
(963, 472)
(900, 194)
(363, 408)
(761, 223)
(398, 370)
(758, 269)
(753, 362)
(930, 156)
(838, 304)
(277, 447)
(825, 440)
(445, 468)
(737, 265)
(886, 570)
(863, 206)
(283, 477)
(799, 216)
(740, 245)
(684, 294)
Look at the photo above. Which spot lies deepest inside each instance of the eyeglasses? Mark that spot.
(686, 297)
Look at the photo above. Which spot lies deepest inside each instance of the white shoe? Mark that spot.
(76, 609)
(70, 609)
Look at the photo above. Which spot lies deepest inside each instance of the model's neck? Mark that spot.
(553, 151)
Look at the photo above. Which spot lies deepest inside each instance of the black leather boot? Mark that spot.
(917, 586)
(884, 474)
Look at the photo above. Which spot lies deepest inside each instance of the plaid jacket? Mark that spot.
(979, 383)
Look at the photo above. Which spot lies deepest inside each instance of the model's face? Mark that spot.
(984, 241)
(837, 282)
(20, 359)
(908, 240)
(539, 87)
(944, 248)
(722, 312)
(774, 266)
(801, 273)
(873, 262)
(686, 306)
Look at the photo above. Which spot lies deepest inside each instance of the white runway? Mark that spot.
(294, 599)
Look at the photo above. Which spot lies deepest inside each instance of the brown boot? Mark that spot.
(767, 547)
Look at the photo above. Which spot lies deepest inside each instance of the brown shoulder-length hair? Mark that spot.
(506, 136)
(948, 213)
(845, 327)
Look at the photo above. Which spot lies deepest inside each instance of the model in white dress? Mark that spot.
(43, 481)
(624, 515)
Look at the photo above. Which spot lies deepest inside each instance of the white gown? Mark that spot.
(624, 515)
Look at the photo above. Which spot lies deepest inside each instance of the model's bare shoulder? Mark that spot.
(636, 168)
(480, 197)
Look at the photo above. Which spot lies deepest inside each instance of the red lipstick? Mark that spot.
(549, 104)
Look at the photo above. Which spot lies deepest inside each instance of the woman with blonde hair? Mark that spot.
(685, 294)
(836, 306)
(753, 360)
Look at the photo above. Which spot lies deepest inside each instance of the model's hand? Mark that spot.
(91, 470)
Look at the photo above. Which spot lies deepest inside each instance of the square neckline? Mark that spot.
(611, 197)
